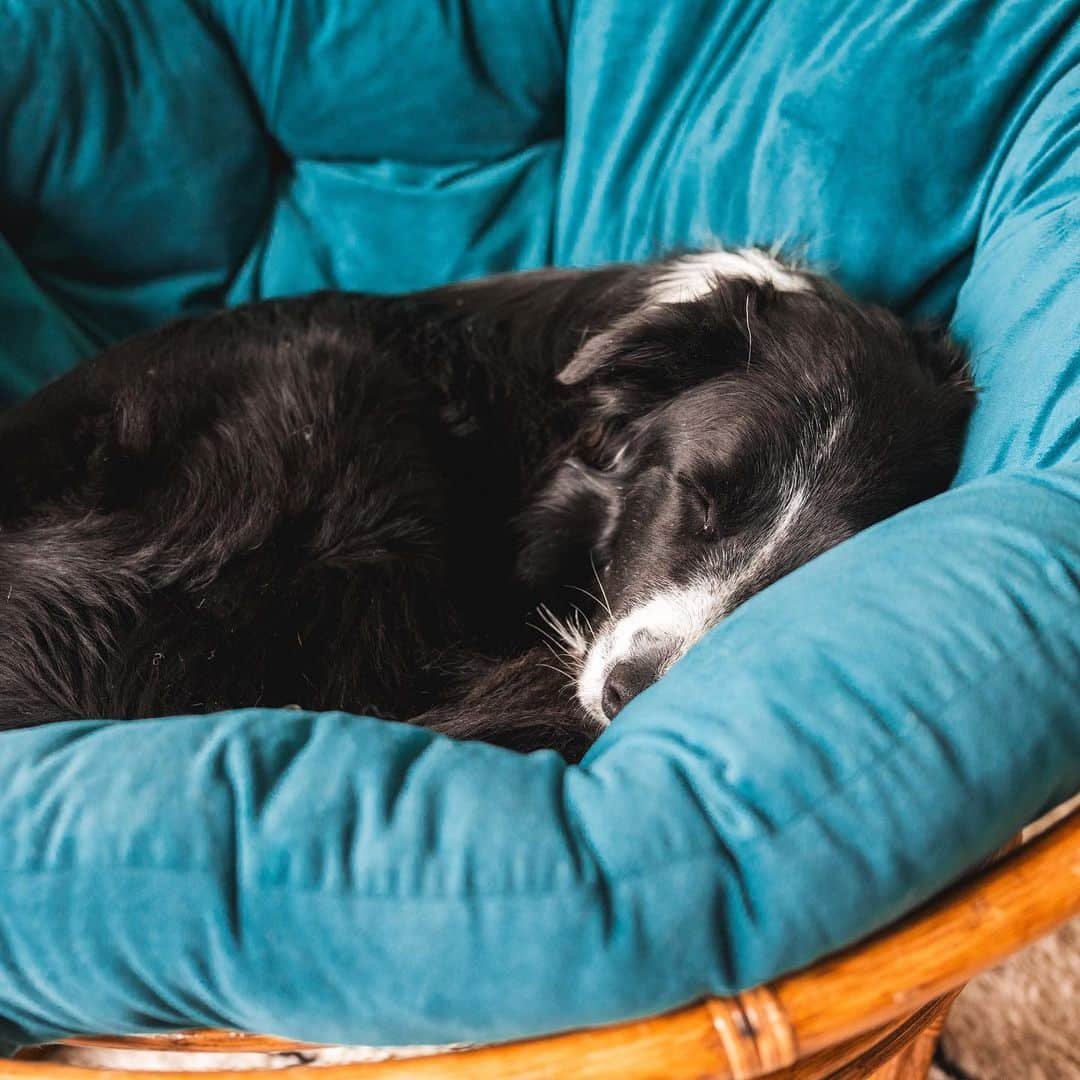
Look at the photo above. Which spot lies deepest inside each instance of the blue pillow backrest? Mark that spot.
(845, 744)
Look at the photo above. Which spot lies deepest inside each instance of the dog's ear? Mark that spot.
(601, 350)
(659, 350)
(569, 524)
(944, 361)
(940, 356)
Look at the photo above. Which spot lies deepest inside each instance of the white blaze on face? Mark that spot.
(669, 622)
(694, 276)
(665, 625)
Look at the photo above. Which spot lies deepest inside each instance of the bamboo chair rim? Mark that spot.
(872, 986)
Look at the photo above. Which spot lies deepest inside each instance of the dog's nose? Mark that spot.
(625, 681)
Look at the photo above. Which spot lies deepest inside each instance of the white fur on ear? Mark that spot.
(691, 277)
(680, 280)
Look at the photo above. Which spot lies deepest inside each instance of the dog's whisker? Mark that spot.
(591, 595)
(546, 634)
(596, 574)
(569, 636)
(558, 671)
(559, 666)
(550, 628)
(552, 647)
(749, 334)
(581, 617)
(568, 663)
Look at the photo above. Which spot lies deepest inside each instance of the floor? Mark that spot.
(1020, 1021)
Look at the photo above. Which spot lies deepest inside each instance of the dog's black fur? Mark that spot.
(355, 502)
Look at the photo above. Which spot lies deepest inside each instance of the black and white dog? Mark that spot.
(358, 502)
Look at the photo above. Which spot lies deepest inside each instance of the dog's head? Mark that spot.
(742, 419)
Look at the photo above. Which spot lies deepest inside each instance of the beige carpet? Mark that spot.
(1020, 1021)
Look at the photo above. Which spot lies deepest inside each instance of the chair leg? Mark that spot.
(914, 1061)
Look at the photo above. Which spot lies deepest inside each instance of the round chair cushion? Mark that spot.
(830, 755)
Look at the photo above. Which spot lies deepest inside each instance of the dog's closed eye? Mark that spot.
(709, 511)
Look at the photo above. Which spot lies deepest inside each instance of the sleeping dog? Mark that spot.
(501, 509)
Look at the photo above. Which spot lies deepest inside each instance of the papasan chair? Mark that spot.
(848, 744)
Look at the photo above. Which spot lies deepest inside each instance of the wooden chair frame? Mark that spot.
(872, 1010)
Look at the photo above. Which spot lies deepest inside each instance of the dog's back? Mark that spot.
(253, 508)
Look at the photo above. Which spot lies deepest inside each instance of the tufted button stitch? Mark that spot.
(169, 157)
(413, 81)
(135, 168)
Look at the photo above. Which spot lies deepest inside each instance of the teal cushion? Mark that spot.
(846, 743)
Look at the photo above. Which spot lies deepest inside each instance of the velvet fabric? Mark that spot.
(833, 753)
